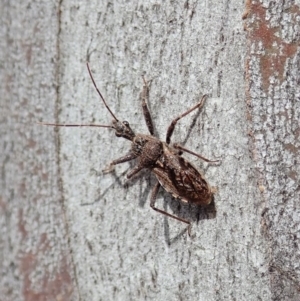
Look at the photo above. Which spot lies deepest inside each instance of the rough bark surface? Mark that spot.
(273, 99)
(35, 259)
(69, 231)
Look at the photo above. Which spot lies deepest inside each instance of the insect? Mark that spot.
(174, 173)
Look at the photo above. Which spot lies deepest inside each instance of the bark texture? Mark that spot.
(69, 231)
(34, 256)
(273, 100)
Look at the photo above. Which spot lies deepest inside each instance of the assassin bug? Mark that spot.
(174, 173)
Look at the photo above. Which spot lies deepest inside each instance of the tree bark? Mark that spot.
(35, 263)
(71, 231)
(273, 101)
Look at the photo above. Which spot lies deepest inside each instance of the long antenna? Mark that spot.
(92, 78)
(77, 125)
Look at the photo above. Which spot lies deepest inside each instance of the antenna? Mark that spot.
(90, 125)
(107, 107)
(77, 125)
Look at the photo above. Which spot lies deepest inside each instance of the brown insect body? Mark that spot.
(174, 173)
(180, 178)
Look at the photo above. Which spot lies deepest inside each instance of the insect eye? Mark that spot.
(126, 123)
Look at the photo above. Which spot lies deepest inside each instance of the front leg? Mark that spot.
(146, 112)
(125, 158)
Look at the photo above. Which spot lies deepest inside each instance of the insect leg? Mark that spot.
(178, 146)
(152, 203)
(146, 112)
(123, 159)
(173, 123)
(135, 170)
(126, 158)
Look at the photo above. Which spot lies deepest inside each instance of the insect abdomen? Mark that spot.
(181, 179)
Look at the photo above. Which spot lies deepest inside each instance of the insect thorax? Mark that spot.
(147, 148)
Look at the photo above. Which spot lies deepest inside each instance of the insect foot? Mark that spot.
(173, 173)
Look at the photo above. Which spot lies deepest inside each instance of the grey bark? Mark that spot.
(35, 257)
(69, 231)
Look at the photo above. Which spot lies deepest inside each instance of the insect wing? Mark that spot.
(181, 179)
